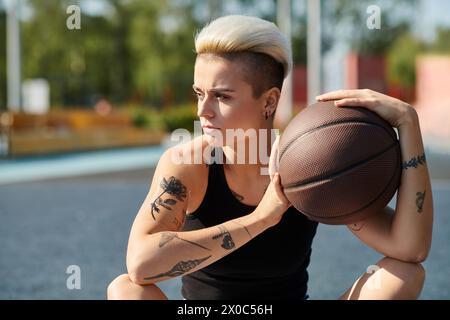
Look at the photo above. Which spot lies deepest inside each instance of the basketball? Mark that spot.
(339, 165)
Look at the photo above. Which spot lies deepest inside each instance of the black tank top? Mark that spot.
(270, 266)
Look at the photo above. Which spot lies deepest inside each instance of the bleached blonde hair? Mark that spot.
(237, 33)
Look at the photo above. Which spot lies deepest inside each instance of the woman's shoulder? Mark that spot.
(185, 161)
(188, 155)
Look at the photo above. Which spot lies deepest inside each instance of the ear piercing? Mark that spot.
(267, 114)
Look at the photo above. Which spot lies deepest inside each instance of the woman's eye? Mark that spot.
(221, 97)
(198, 95)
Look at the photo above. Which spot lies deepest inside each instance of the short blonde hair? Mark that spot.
(237, 33)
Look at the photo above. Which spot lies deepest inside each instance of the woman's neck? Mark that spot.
(249, 155)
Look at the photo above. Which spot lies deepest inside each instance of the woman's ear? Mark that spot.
(272, 96)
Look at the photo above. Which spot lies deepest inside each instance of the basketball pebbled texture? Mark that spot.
(339, 165)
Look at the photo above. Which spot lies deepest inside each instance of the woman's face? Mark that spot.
(225, 100)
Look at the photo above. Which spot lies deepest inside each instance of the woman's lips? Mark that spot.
(209, 129)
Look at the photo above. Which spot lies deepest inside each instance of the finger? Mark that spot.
(354, 102)
(338, 94)
(277, 155)
(273, 160)
(279, 188)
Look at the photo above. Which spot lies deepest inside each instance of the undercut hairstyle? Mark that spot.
(258, 45)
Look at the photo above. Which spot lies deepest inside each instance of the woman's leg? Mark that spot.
(389, 279)
(122, 288)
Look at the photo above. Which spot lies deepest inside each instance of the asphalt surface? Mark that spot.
(47, 226)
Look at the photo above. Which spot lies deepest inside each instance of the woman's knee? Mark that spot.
(122, 288)
(118, 287)
(411, 274)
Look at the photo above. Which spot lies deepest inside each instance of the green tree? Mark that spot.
(401, 56)
(442, 42)
(2, 60)
(142, 52)
(160, 42)
(401, 60)
(51, 51)
(350, 17)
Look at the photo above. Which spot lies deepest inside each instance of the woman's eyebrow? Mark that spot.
(219, 89)
(215, 90)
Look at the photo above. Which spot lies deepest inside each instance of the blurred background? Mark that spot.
(90, 91)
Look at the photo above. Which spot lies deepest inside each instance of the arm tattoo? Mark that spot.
(419, 200)
(177, 223)
(180, 221)
(175, 188)
(166, 237)
(414, 162)
(228, 242)
(237, 195)
(179, 269)
(244, 228)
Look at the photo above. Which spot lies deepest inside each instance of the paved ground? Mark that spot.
(49, 225)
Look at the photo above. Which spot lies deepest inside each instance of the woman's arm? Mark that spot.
(413, 222)
(169, 254)
(406, 233)
(157, 250)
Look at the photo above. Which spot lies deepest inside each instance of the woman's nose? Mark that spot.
(205, 108)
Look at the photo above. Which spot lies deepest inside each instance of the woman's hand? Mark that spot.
(274, 203)
(274, 160)
(394, 111)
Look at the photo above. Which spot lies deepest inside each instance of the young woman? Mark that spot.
(227, 229)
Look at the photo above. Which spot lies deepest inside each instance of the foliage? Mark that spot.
(141, 52)
(353, 14)
(180, 117)
(2, 60)
(401, 60)
(299, 49)
(137, 51)
(176, 117)
(144, 117)
(401, 57)
(442, 42)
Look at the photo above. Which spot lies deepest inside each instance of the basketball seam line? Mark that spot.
(325, 126)
(334, 218)
(336, 174)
